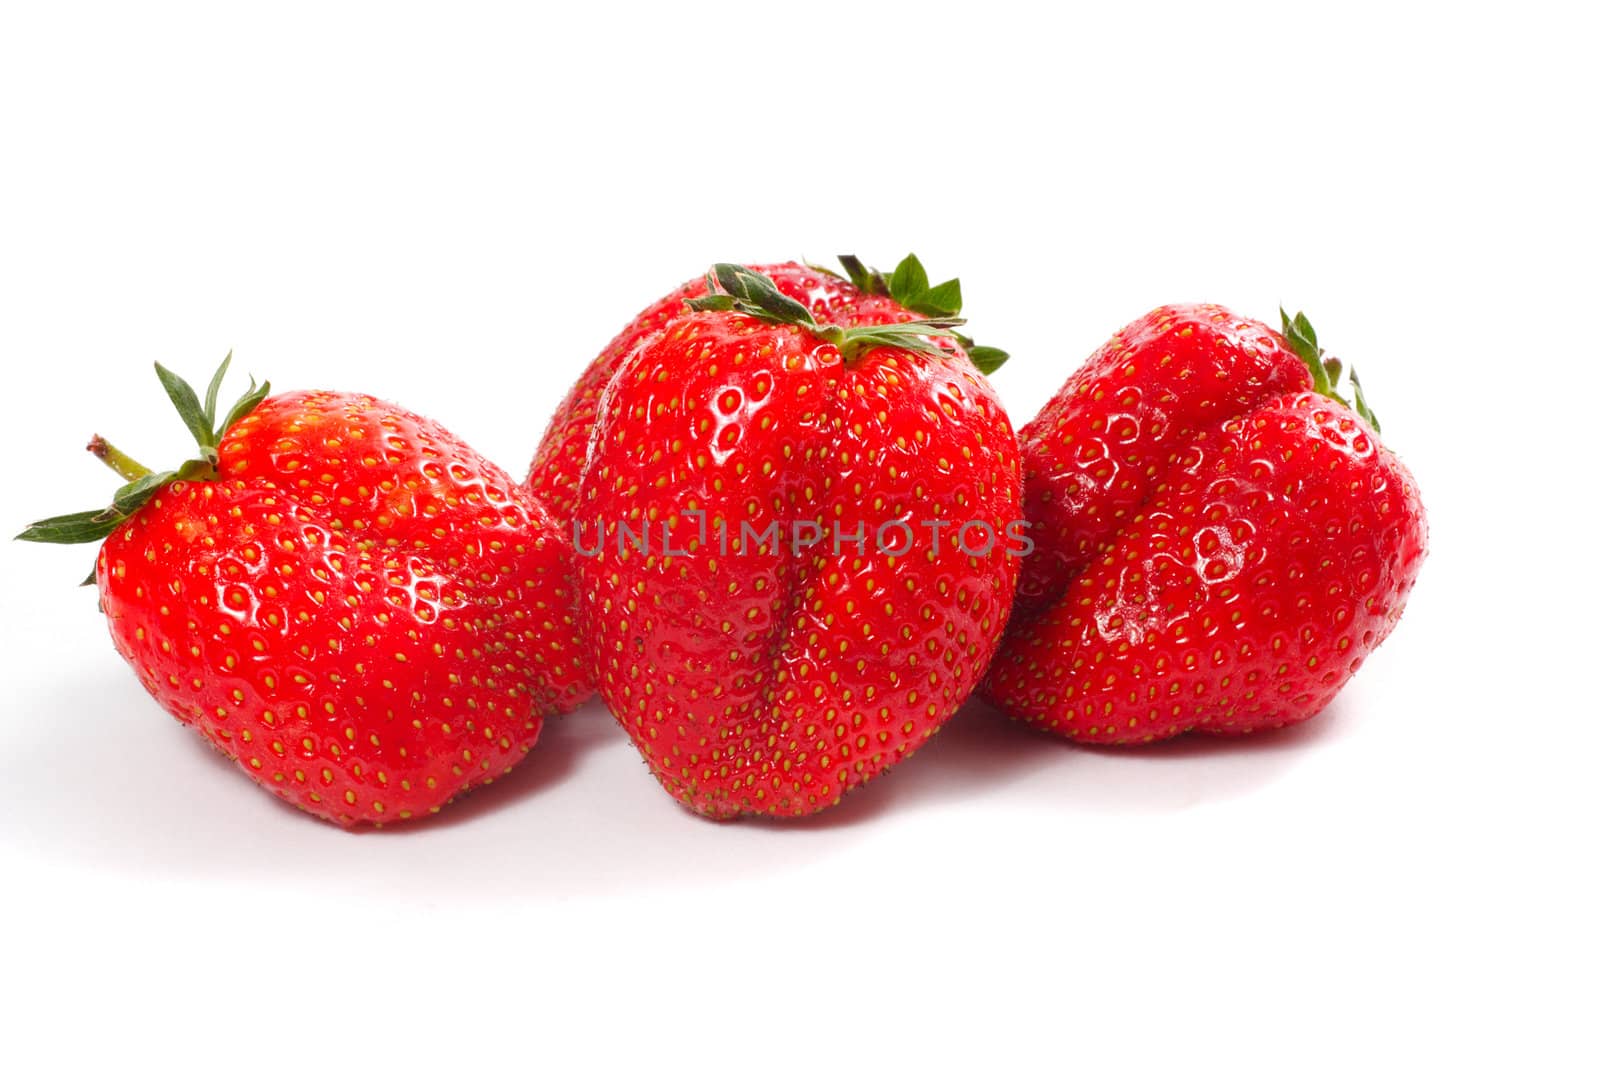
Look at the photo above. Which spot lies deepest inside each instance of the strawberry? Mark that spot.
(340, 596)
(798, 544)
(1222, 540)
(867, 297)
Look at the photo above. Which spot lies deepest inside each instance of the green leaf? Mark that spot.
(711, 302)
(942, 299)
(1361, 402)
(1334, 368)
(768, 298)
(914, 336)
(81, 527)
(861, 276)
(131, 497)
(910, 280)
(211, 391)
(987, 358)
(751, 293)
(728, 277)
(909, 287)
(1302, 341)
(1292, 335)
(242, 407)
(78, 528)
(1302, 326)
(188, 405)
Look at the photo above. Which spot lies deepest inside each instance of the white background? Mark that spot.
(455, 208)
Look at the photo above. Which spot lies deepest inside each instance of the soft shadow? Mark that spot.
(1184, 772)
(1205, 746)
(95, 774)
(978, 751)
(982, 751)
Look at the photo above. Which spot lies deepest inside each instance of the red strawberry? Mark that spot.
(868, 298)
(1224, 546)
(757, 672)
(340, 596)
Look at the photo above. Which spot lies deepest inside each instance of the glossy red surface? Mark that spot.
(1098, 448)
(1220, 576)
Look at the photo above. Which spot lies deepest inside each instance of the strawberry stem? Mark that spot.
(129, 469)
(83, 527)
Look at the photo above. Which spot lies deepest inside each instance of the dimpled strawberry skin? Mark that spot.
(1093, 454)
(772, 682)
(364, 614)
(1271, 558)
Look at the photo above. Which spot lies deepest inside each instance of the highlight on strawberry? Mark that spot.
(1222, 539)
(772, 677)
(343, 598)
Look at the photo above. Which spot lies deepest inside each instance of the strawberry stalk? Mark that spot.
(130, 469)
(1325, 370)
(140, 482)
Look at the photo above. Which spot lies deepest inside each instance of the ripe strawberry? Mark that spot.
(363, 613)
(1224, 540)
(866, 298)
(762, 658)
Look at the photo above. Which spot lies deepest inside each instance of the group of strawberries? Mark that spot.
(783, 526)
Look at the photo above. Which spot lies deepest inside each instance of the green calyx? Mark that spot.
(1325, 370)
(141, 483)
(909, 287)
(731, 287)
